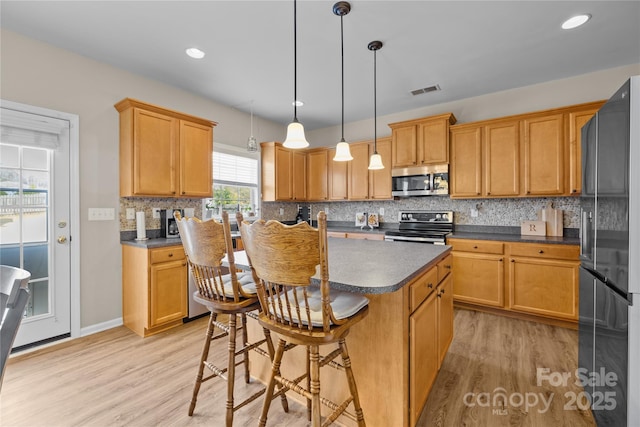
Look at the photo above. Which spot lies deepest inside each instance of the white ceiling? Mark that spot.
(468, 48)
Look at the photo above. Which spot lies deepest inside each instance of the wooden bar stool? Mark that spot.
(206, 244)
(283, 260)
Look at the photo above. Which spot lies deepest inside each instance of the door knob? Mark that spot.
(62, 239)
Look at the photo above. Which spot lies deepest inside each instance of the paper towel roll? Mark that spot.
(140, 226)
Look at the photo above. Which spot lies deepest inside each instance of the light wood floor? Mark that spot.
(115, 378)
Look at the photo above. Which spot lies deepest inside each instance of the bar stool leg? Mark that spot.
(314, 357)
(308, 382)
(346, 361)
(231, 368)
(245, 340)
(203, 358)
(271, 351)
(275, 368)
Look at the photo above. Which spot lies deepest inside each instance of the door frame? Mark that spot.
(74, 201)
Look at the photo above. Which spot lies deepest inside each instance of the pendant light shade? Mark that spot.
(252, 144)
(295, 130)
(375, 162)
(343, 153)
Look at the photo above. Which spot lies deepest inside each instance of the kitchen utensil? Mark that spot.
(553, 219)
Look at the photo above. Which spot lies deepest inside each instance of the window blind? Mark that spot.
(231, 169)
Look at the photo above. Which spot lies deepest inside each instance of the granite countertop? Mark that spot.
(512, 234)
(373, 266)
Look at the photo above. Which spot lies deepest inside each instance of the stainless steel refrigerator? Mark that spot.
(609, 323)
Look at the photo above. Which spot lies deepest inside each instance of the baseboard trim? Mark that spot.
(99, 327)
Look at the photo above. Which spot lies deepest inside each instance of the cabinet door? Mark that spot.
(544, 155)
(196, 151)
(299, 175)
(154, 154)
(544, 287)
(502, 159)
(404, 146)
(433, 142)
(380, 180)
(423, 355)
(167, 292)
(358, 172)
(478, 278)
(576, 121)
(466, 158)
(444, 292)
(283, 167)
(338, 172)
(317, 162)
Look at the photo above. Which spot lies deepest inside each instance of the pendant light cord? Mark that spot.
(295, 63)
(342, 72)
(375, 103)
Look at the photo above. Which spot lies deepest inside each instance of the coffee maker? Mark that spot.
(168, 225)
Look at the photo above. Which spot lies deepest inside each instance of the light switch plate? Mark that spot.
(156, 213)
(131, 213)
(101, 214)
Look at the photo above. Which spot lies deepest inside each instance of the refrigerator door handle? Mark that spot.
(585, 234)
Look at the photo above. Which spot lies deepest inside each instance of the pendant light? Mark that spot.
(252, 144)
(375, 162)
(343, 153)
(295, 130)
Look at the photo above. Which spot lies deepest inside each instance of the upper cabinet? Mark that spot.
(380, 180)
(163, 153)
(529, 155)
(317, 164)
(422, 141)
(283, 173)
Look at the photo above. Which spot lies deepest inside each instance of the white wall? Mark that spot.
(35, 73)
(32, 72)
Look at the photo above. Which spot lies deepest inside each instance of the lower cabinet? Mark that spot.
(540, 281)
(154, 288)
(430, 332)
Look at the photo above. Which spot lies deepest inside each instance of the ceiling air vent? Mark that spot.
(425, 90)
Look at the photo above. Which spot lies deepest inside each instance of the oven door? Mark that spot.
(434, 240)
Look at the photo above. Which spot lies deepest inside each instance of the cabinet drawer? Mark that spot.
(172, 253)
(421, 289)
(571, 252)
(480, 246)
(444, 267)
(336, 234)
(365, 236)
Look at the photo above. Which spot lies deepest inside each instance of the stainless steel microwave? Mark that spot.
(420, 181)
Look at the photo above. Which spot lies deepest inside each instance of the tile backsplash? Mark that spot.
(494, 212)
(491, 212)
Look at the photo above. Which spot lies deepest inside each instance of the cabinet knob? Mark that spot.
(574, 191)
(528, 192)
(448, 267)
(430, 286)
(475, 247)
(489, 193)
(540, 251)
(184, 192)
(170, 255)
(500, 260)
(439, 295)
(477, 194)
(513, 260)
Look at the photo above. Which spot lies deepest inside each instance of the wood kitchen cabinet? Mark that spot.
(317, 178)
(544, 279)
(540, 281)
(283, 173)
(338, 173)
(485, 160)
(423, 141)
(358, 172)
(444, 293)
(164, 153)
(380, 180)
(544, 155)
(154, 288)
(478, 272)
(527, 155)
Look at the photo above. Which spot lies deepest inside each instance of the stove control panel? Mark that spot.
(426, 216)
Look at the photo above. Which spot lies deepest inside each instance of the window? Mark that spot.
(235, 186)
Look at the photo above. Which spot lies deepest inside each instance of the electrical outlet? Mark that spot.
(381, 211)
(189, 212)
(474, 212)
(131, 213)
(156, 213)
(326, 210)
(281, 211)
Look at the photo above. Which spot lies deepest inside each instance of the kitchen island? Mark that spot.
(397, 349)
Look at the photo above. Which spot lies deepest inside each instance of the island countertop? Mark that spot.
(373, 266)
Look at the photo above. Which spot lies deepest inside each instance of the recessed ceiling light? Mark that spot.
(575, 21)
(297, 103)
(195, 53)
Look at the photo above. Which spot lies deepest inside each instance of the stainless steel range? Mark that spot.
(422, 226)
